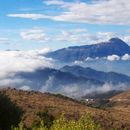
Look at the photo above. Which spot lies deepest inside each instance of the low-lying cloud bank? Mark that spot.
(116, 57)
(80, 90)
(15, 61)
(125, 57)
(12, 62)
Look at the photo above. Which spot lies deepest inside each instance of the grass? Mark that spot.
(34, 102)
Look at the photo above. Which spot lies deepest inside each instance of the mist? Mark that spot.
(19, 70)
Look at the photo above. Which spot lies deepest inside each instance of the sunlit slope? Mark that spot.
(33, 102)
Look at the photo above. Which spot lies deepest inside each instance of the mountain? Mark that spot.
(80, 53)
(73, 81)
(53, 80)
(108, 77)
(32, 102)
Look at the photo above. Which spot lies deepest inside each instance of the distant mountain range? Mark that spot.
(107, 77)
(74, 81)
(78, 53)
(53, 80)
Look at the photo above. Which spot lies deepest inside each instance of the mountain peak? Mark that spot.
(116, 40)
(119, 43)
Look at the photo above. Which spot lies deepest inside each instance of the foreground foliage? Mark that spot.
(84, 123)
(10, 113)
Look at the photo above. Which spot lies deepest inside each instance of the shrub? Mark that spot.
(45, 118)
(10, 114)
(84, 123)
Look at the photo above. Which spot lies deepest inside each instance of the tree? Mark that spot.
(45, 118)
(10, 113)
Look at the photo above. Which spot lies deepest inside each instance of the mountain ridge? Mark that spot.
(110, 77)
(54, 80)
(114, 46)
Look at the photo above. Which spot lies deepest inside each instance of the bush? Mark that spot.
(84, 123)
(45, 118)
(10, 114)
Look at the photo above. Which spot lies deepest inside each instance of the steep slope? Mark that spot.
(71, 54)
(109, 77)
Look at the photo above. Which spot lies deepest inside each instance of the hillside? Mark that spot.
(121, 102)
(122, 96)
(33, 102)
(80, 53)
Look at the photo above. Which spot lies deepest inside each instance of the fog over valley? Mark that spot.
(34, 70)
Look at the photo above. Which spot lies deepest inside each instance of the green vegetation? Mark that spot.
(44, 117)
(84, 123)
(10, 114)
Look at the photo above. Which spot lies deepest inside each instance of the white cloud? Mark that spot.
(126, 57)
(34, 34)
(55, 2)
(104, 36)
(72, 37)
(99, 12)
(113, 58)
(126, 39)
(72, 90)
(89, 59)
(78, 62)
(29, 16)
(82, 36)
(48, 84)
(105, 88)
(16, 61)
(25, 88)
(78, 91)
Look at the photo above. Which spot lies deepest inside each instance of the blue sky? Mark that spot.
(33, 24)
